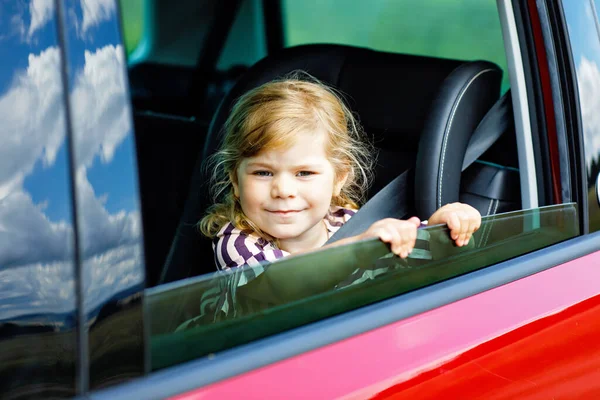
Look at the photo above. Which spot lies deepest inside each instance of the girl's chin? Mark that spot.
(283, 235)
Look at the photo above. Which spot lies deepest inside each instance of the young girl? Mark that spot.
(294, 167)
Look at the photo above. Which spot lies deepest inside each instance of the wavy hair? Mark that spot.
(269, 117)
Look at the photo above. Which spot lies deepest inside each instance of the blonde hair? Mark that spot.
(269, 117)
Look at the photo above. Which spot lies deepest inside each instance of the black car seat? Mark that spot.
(396, 97)
(491, 184)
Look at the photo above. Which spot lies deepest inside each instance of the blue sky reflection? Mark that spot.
(36, 230)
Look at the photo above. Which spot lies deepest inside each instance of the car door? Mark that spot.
(110, 257)
(513, 317)
(38, 280)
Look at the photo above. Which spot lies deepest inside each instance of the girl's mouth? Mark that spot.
(284, 212)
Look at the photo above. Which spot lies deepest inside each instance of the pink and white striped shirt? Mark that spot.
(234, 247)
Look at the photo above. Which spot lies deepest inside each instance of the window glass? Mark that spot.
(246, 42)
(199, 316)
(206, 314)
(132, 16)
(584, 34)
(159, 32)
(109, 228)
(38, 312)
(465, 30)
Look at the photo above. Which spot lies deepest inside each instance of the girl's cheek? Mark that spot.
(257, 188)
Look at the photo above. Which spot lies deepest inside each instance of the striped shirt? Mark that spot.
(234, 247)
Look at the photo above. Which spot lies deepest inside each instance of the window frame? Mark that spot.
(520, 100)
(567, 80)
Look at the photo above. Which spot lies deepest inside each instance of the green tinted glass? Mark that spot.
(132, 22)
(203, 315)
(465, 30)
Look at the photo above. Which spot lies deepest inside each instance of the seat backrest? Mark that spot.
(461, 102)
(391, 93)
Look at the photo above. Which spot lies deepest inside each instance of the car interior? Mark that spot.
(420, 112)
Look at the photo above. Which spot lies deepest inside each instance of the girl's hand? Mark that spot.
(462, 220)
(401, 234)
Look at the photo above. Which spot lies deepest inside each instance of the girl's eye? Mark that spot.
(305, 173)
(262, 173)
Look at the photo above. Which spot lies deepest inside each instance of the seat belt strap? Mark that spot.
(389, 202)
(493, 125)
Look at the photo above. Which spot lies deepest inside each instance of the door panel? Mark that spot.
(532, 338)
(108, 224)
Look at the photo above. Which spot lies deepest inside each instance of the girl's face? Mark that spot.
(287, 192)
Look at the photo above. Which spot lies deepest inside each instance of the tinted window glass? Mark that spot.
(584, 34)
(38, 318)
(106, 193)
(465, 30)
(195, 317)
(168, 34)
(246, 42)
(132, 12)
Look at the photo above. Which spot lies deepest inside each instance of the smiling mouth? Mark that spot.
(284, 212)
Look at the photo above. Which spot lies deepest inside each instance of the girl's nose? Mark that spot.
(283, 187)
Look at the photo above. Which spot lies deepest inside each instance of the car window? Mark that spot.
(108, 223)
(212, 313)
(38, 292)
(133, 23)
(246, 41)
(181, 36)
(194, 315)
(430, 28)
(584, 35)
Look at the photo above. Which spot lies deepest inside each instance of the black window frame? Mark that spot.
(566, 81)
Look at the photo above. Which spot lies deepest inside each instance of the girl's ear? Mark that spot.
(339, 184)
(233, 179)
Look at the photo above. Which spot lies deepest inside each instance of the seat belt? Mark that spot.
(493, 125)
(392, 201)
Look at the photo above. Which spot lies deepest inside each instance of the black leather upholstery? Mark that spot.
(466, 95)
(492, 184)
(391, 93)
(491, 189)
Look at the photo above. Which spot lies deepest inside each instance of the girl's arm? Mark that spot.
(279, 285)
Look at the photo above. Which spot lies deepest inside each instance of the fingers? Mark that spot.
(397, 243)
(454, 225)
(407, 237)
(465, 234)
(401, 235)
(415, 220)
(462, 220)
(474, 222)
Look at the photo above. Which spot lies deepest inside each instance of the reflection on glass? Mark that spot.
(203, 315)
(38, 342)
(584, 35)
(106, 192)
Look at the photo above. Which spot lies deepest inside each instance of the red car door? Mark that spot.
(515, 318)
